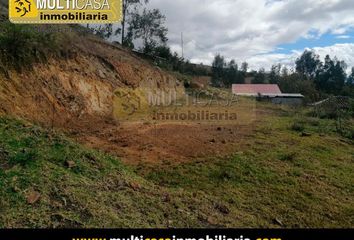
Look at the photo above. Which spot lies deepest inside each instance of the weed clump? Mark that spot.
(298, 127)
(288, 157)
(24, 157)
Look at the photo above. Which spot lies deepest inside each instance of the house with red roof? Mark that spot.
(255, 89)
(269, 92)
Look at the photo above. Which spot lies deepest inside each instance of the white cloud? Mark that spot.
(251, 30)
(343, 52)
(343, 37)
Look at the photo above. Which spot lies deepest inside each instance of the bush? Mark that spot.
(288, 156)
(298, 127)
(24, 157)
(348, 134)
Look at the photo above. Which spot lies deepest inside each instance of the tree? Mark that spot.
(308, 64)
(177, 62)
(218, 70)
(350, 80)
(295, 83)
(348, 89)
(244, 67)
(260, 77)
(163, 51)
(149, 27)
(325, 73)
(231, 73)
(128, 6)
(339, 77)
(284, 72)
(103, 31)
(274, 76)
(331, 78)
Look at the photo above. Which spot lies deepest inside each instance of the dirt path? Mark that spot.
(137, 143)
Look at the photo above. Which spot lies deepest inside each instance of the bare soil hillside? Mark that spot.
(80, 86)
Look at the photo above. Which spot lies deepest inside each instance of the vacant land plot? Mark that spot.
(283, 170)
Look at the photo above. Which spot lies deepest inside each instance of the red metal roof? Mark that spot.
(255, 89)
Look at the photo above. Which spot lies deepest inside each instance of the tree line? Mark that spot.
(311, 77)
(138, 23)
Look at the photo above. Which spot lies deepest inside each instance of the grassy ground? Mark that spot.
(96, 192)
(280, 177)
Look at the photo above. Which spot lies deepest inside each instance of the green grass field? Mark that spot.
(280, 177)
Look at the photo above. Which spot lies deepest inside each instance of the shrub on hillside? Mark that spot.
(298, 127)
(349, 133)
(23, 45)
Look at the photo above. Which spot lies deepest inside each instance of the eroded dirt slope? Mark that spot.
(84, 84)
(77, 94)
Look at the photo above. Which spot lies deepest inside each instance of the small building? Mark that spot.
(294, 99)
(254, 90)
(267, 92)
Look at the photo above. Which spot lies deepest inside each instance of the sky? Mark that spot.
(261, 32)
